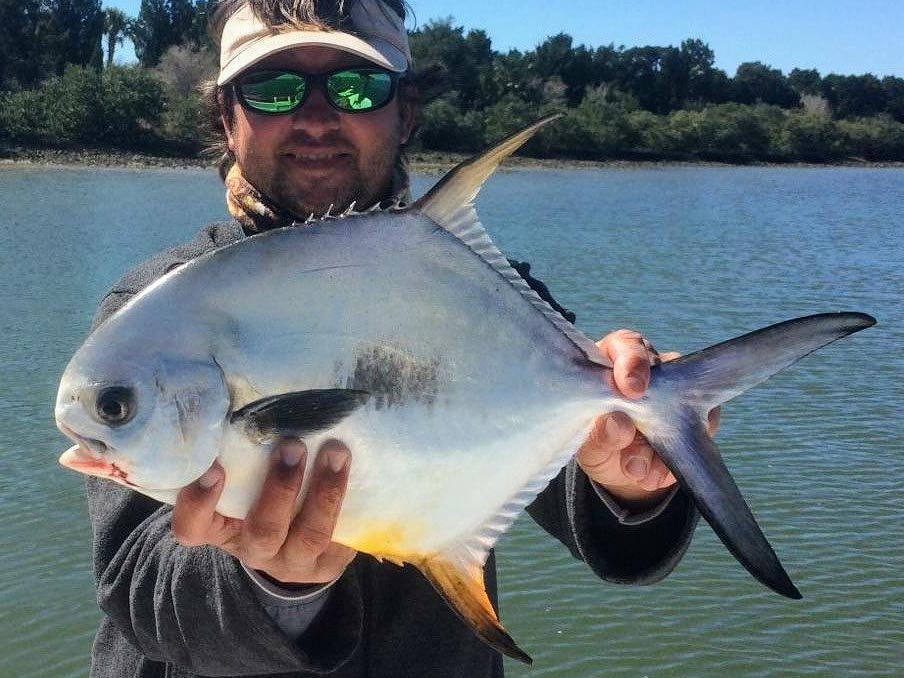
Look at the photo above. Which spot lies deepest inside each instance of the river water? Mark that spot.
(690, 256)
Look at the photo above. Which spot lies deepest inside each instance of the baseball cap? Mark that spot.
(375, 33)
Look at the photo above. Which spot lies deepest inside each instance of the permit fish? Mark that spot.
(405, 333)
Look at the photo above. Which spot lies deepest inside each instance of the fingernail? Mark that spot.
(615, 426)
(337, 458)
(637, 467)
(291, 452)
(211, 477)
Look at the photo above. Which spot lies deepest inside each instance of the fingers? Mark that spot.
(312, 530)
(631, 356)
(273, 538)
(714, 419)
(610, 434)
(194, 514)
(644, 467)
(267, 523)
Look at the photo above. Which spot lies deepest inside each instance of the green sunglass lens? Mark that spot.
(359, 90)
(272, 92)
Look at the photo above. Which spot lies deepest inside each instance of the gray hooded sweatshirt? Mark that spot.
(174, 611)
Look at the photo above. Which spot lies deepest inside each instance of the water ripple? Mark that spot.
(691, 256)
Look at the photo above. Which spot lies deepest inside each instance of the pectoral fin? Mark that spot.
(458, 577)
(300, 413)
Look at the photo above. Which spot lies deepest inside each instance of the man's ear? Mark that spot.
(227, 130)
(227, 117)
(408, 112)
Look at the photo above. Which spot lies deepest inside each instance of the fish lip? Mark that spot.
(82, 460)
(89, 444)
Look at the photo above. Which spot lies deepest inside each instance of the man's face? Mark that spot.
(318, 156)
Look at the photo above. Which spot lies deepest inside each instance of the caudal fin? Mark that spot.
(700, 381)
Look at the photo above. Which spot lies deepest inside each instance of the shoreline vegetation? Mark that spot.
(427, 162)
(64, 99)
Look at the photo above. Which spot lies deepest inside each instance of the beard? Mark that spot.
(362, 179)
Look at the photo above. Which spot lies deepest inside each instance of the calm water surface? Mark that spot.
(691, 257)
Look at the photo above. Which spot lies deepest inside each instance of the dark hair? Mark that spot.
(320, 14)
(290, 14)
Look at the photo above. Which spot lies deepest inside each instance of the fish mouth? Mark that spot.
(98, 447)
(79, 459)
(86, 456)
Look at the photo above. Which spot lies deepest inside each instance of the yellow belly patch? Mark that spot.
(392, 541)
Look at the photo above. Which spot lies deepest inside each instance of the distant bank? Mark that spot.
(423, 161)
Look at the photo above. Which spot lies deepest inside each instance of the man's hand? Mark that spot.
(290, 548)
(615, 454)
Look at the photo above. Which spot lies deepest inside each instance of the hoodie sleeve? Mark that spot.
(194, 607)
(616, 550)
(616, 546)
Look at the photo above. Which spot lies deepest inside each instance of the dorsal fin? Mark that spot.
(450, 204)
(456, 191)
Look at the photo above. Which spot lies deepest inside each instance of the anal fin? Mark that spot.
(459, 580)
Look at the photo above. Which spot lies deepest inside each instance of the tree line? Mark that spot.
(60, 86)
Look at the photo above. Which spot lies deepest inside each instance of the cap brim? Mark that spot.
(375, 50)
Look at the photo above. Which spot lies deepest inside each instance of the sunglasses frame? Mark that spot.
(316, 81)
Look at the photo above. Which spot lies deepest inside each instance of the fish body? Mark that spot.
(405, 334)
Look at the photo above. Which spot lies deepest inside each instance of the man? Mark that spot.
(316, 109)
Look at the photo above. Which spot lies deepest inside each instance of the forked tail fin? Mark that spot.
(692, 385)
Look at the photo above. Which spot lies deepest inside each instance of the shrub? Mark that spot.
(879, 138)
(807, 136)
(606, 123)
(444, 128)
(83, 106)
(132, 103)
(509, 114)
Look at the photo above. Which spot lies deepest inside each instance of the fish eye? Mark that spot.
(115, 405)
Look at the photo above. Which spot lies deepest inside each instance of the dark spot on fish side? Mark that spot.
(393, 378)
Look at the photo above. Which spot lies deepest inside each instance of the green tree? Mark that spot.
(578, 74)
(164, 23)
(467, 61)
(705, 82)
(116, 27)
(552, 55)
(854, 95)
(20, 65)
(513, 73)
(151, 32)
(894, 96)
(605, 64)
(805, 81)
(69, 32)
(638, 73)
(657, 76)
(755, 82)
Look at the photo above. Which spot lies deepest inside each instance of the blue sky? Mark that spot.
(833, 36)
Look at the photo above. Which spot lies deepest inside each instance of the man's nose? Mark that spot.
(315, 115)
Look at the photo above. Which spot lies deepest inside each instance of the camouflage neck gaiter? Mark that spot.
(257, 213)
